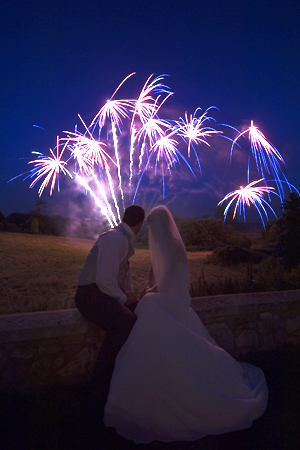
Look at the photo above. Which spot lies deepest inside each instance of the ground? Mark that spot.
(52, 419)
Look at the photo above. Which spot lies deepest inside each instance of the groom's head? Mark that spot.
(134, 216)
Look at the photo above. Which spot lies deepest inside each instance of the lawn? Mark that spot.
(40, 273)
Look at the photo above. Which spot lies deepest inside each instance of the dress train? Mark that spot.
(173, 382)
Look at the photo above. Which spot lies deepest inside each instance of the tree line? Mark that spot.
(35, 222)
(202, 234)
(281, 236)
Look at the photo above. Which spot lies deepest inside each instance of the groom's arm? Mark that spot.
(128, 289)
(127, 286)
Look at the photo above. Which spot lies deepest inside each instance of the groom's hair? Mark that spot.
(133, 215)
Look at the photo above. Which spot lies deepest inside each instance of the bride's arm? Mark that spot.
(152, 287)
(148, 291)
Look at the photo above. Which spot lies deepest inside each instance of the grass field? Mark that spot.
(40, 272)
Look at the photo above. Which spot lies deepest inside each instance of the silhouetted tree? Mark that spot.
(34, 228)
(36, 215)
(288, 246)
(270, 235)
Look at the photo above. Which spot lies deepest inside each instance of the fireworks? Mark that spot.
(266, 156)
(97, 164)
(247, 196)
(48, 167)
(193, 131)
(146, 106)
(113, 109)
(108, 165)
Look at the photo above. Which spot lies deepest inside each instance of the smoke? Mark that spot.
(84, 219)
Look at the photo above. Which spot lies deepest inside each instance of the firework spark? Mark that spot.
(115, 110)
(166, 153)
(152, 130)
(247, 196)
(146, 106)
(106, 211)
(165, 149)
(193, 130)
(266, 156)
(48, 167)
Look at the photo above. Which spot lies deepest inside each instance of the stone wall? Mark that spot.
(59, 347)
(251, 322)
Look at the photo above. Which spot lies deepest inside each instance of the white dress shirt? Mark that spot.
(104, 262)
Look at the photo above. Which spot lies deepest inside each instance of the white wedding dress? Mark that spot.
(171, 380)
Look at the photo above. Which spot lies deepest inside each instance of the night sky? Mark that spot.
(62, 58)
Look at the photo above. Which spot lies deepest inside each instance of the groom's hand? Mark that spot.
(143, 292)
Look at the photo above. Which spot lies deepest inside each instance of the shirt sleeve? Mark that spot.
(128, 281)
(112, 252)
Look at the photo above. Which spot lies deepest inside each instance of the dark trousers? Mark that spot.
(117, 320)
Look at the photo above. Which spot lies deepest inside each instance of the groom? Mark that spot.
(105, 297)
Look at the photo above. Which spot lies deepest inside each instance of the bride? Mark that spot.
(171, 380)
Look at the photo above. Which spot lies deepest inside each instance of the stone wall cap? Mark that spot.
(67, 321)
(258, 301)
(40, 319)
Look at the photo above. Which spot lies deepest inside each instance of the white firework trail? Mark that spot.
(115, 139)
(102, 192)
(132, 142)
(100, 205)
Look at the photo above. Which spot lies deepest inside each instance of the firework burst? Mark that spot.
(267, 157)
(146, 106)
(115, 110)
(247, 196)
(193, 131)
(48, 167)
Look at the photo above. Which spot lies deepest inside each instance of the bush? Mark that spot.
(229, 285)
(268, 275)
(292, 278)
(11, 227)
(229, 255)
(208, 234)
(233, 255)
(271, 234)
(236, 238)
(17, 219)
(288, 245)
